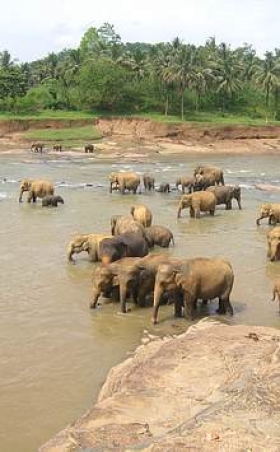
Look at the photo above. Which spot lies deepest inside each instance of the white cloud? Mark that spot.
(31, 28)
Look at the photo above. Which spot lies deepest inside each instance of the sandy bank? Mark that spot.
(215, 387)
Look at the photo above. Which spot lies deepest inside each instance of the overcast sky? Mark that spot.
(30, 29)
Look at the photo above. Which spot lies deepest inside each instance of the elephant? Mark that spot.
(121, 225)
(57, 147)
(149, 182)
(270, 211)
(198, 278)
(159, 235)
(124, 245)
(36, 189)
(273, 242)
(164, 187)
(276, 293)
(89, 148)
(52, 200)
(37, 147)
(211, 170)
(201, 201)
(124, 181)
(203, 181)
(225, 194)
(185, 182)
(142, 215)
(86, 242)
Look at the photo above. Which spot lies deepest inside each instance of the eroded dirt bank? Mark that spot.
(215, 387)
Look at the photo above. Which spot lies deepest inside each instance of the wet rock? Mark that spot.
(215, 387)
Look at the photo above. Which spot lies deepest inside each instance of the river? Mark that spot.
(54, 352)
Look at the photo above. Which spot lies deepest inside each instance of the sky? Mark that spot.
(30, 29)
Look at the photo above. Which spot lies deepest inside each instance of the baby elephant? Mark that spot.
(200, 201)
(52, 200)
(276, 293)
(89, 148)
(164, 187)
(158, 235)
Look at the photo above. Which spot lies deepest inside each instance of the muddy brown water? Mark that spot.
(54, 352)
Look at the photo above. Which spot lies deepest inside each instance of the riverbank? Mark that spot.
(213, 387)
(136, 138)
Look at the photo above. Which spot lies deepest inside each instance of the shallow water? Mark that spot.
(54, 352)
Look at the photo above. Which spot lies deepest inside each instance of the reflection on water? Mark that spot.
(55, 353)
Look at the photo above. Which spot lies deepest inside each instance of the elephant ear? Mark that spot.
(86, 246)
(178, 279)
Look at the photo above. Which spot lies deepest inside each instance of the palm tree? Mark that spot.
(201, 76)
(267, 77)
(5, 59)
(162, 65)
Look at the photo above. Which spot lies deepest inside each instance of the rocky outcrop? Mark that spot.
(215, 387)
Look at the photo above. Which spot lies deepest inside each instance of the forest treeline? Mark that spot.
(105, 74)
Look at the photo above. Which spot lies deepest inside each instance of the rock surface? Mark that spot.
(213, 388)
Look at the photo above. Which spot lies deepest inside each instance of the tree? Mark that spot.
(268, 78)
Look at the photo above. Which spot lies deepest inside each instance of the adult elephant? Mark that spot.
(89, 243)
(159, 235)
(149, 182)
(124, 181)
(201, 201)
(37, 147)
(215, 171)
(203, 181)
(124, 245)
(36, 189)
(270, 211)
(198, 278)
(89, 148)
(52, 200)
(185, 182)
(273, 244)
(142, 214)
(121, 225)
(225, 194)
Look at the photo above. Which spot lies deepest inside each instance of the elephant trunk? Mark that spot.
(179, 211)
(94, 300)
(259, 220)
(20, 196)
(123, 297)
(157, 297)
(274, 251)
(70, 252)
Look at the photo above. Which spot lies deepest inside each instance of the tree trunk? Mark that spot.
(182, 104)
(266, 103)
(166, 104)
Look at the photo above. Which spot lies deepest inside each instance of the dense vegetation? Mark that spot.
(106, 75)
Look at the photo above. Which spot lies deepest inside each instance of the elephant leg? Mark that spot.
(94, 300)
(192, 212)
(178, 306)
(228, 307)
(212, 212)
(197, 212)
(189, 305)
(204, 302)
(222, 308)
(268, 250)
(30, 197)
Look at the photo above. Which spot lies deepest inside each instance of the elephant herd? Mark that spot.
(128, 269)
(39, 147)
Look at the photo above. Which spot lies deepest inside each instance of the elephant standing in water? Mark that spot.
(185, 182)
(124, 181)
(225, 194)
(198, 278)
(201, 201)
(37, 147)
(270, 211)
(208, 171)
(89, 243)
(273, 244)
(124, 245)
(121, 225)
(36, 189)
(149, 182)
(52, 200)
(159, 235)
(142, 214)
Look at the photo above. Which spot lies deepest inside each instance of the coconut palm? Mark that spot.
(267, 77)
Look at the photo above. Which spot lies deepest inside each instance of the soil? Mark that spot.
(137, 138)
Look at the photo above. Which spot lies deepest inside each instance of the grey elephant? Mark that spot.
(149, 182)
(270, 211)
(89, 148)
(121, 225)
(225, 194)
(208, 171)
(185, 182)
(164, 187)
(36, 189)
(198, 278)
(124, 181)
(57, 147)
(201, 201)
(123, 245)
(142, 214)
(52, 200)
(37, 147)
(159, 235)
(90, 243)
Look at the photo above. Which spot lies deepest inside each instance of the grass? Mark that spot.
(49, 114)
(68, 135)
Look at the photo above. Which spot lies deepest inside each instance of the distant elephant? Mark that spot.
(158, 235)
(89, 148)
(57, 147)
(37, 147)
(36, 189)
(211, 170)
(201, 201)
(121, 225)
(149, 182)
(203, 181)
(185, 182)
(142, 214)
(124, 181)
(89, 243)
(124, 245)
(273, 244)
(276, 293)
(198, 278)
(270, 211)
(225, 194)
(164, 187)
(52, 200)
